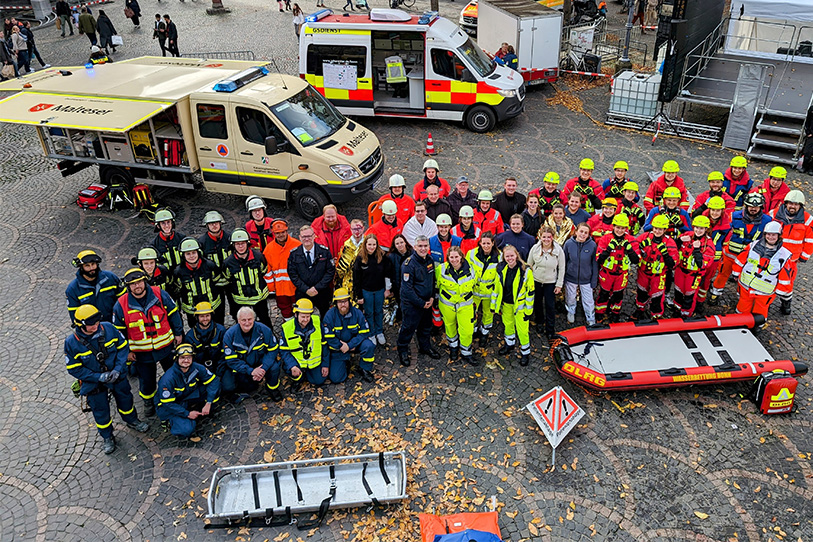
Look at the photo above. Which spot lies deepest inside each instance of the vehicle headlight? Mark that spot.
(507, 93)
(345, 172)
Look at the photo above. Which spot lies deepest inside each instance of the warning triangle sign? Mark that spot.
(567, 409)
(556, 414)
(546, 406)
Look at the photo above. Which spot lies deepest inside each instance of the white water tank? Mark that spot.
(635, 93)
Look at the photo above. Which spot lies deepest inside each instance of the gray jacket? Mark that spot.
(581, 266)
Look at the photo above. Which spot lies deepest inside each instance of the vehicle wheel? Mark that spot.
(309, 202)
(481, 119)
(111, 175)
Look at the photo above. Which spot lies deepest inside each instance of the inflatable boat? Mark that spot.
(666, 353)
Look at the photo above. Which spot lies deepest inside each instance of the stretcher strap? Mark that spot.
(256, 490)
(298, 489)
(367, 487)
(381, 467)
(285, 519)
(323, 507)
(277, 489)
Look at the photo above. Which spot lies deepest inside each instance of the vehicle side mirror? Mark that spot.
(271, 145)
(467, 77)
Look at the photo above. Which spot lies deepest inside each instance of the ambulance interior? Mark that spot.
(393, 93)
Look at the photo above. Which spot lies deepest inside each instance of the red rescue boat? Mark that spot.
(666, 353)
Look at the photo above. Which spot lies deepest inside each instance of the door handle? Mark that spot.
(204, 148)
(434, 84)
(247, 153)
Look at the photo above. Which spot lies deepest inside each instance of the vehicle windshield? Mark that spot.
(477, 58)
(308, 116)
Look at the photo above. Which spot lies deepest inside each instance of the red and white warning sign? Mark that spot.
(556, 413)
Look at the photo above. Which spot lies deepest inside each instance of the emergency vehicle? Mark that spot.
(229, 126)
(468, 15)
(391, 63)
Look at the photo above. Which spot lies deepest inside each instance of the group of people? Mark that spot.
(18, 48)
(441, 258)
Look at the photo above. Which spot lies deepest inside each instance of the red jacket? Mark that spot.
(687, 263)
(797, 233)
(333, 239)
(593, 188)
(599, 225)
(772, 199)
(703, 199)
(653, 261)
(469, 239)
(491, 221)
(405, 204)
(547, 201)
(260, 236)
(384, 232)
(618, 261)
(419, 192)
(654, 195)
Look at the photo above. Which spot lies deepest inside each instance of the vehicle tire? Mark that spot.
(111, 175)
(481, 119)
(309, 202)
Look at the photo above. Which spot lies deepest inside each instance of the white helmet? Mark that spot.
(431, 163)
(443, 220)
(254, 202)
(466, 212)
(795, 196)
(397, 180)
(389, 208)
(773, 227)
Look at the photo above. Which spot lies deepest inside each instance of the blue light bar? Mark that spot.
(428, 17)
(241, 79)
(316, 15)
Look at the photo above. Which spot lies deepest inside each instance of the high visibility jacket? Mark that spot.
(302, 346)
(485, 272)
(405, 204)
(468, 239)
(695, 260)
(737, 188)
(245, 352)
(653, 261)
(522, 288)
(654, 195)
(208, 345)
(81, 350)
(679, 221)
(600, 225)
(489, 221)
(719, 233)
(635, 213)
(385, 231)
(547, 199)
(743, 233)
(277, 277)
(197, 284)
(702, 200)
(618, 261)
(439, 249)
(260, 235)
(168, 248)
(178, 390)
(773, 199)
(160, 277)
(797, 232)
(217, 249)
(351, 328)
(149, 323)
(592, 193)
(762, 275)
(101, 293)
(334, 238)
(247, 278)
(455, 288)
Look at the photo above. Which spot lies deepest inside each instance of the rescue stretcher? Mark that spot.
(276, 492)
(666, 353)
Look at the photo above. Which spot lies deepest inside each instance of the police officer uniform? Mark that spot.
(302, 346)
(208, 345)
(102, 292)
(417, 287)
(244, 352)
(353, 330)
(98, 360)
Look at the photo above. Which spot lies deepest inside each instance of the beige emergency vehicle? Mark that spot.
(230, 126)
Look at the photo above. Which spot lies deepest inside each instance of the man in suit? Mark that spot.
(310, 268)
(172, 36)
(160, 32)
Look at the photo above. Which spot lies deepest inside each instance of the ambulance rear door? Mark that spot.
(337, 64)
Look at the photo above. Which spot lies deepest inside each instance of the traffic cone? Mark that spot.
(430, 146)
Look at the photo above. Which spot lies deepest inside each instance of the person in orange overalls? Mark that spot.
(797, 235)
(276, 254)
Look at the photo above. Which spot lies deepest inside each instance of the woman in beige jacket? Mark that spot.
(547, 262)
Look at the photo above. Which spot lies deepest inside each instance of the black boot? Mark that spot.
(404, 355)
(276, 395)
(470, 360)
(785, 306)
(431, 352)
(109, 445)
(149, 409)
(367, 376)
(454, 353)
(296, 385)
(637, 314)
(614, 317)
(699, 308)
(484, 340)
(525, 360)
(713, 299)
(505, 349)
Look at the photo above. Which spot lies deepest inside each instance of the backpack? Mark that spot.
(92, 197)
(774, 392)
(119, 197)
(142, 197)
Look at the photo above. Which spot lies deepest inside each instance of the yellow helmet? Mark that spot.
(304, 306)
(621, 220)
(86, 256)
(670, 166)
(621, 165)
(551, 177)
(136, 274)
(739, 161)
(86, 315)
(629, 185)
(586, 163)
(660, 221)
(340, 293)
(204, 307)
(778, 172)
(716, 202)
(701, 222)
(716, 176)
(672, 192)
(184, 349)
(609, 202)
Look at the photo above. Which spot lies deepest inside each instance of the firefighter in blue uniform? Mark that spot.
(301, 346)
(250, 351)
(96, 355)
(417, 297)
(345, 331)
(206, 337)
(93, 286)
(186, 392)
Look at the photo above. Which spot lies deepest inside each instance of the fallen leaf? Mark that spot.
(194, 439)
(701, 515)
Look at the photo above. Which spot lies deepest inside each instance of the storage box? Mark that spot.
(118, 148)
(635, 94)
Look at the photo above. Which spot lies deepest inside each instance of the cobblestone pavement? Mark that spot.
(697, 463)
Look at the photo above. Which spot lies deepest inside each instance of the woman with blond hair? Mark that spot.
(513, 300)
(372, 277)
(455, 280)
(547, 262)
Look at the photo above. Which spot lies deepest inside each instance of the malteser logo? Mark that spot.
(70, 109)
(40, 107)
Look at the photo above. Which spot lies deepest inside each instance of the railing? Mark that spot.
(223, 55)
(598, 26)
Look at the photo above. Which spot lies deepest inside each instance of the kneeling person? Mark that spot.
(250, 350)
(345, 331)
(301, 346)
(206, 337)
(186, 392)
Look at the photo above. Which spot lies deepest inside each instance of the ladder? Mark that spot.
(777, 137)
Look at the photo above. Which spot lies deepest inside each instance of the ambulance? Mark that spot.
(393, 64)
(228, 126)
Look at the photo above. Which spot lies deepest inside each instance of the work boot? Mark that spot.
(525, 360)
(404, 358)
(505, 349)
(367, 376)
(637, 314)
(699, 308)
(785, 306)
(141, 427)
(149, 409)
(431, 352)
(109, 445)
(470, 360)
(602, 318)
(454, 353)
(276, 395)
(484, 340)
(296, 385)
(614, 317)
(713, 299)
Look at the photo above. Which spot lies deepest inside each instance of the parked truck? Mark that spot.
(227, 126)
(468, 15)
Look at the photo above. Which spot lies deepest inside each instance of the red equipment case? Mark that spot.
(92, 197)
(774, 392)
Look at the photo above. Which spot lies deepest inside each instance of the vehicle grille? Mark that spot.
(521, 93)
(370, 162)
(469, 20)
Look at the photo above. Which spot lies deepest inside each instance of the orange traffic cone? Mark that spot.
(430, 146)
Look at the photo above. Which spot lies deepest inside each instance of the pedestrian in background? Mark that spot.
(299, 19)
(159, 31)
(87, 25)
(172, 36)
(7, 58)
(32, 46)
(63, 11)
(106, 31)
(132, 11)
(20, 48)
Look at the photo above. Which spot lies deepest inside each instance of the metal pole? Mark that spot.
(624, 62)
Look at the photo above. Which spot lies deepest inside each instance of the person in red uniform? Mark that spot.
(669, 178)
(485, 217)
(658, 254)
(388, 227)
(737, 182)
(332, 230)
(465, 229)
(716, 189)
(405, 204)
(696, 253)
(797, 235)
(430, 176)
(774, 189)
(616, 250)
(258, 226)
(614, 186)
(602, 224)
(720, 230)
(586, 185)
(629, 206)
(549, 195)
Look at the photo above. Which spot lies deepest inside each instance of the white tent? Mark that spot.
(788, 10)
(769, 28)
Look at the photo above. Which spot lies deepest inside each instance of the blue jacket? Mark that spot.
(417, 280)
(173, 316)
(522, 241)
(581, 265)
(436, 249)
(742, 233)
(508, 60)
(244, 354)
(351, 328)
(578, 217)
(177, 390)
(208, 346)
(80, 357)
(102, 293)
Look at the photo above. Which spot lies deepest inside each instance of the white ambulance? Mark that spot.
(446, 75)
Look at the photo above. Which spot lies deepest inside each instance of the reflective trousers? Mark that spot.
(754, 303)
(516, 327)
(100, 405)
(650, 290)
(726, 268)
(610, 292)
(483, 305)
(340, 360)
(686, 285)
(181, 426)
(147, 381)
(459, 324)
(706, 279)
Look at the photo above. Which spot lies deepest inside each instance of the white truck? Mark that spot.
(532, 29)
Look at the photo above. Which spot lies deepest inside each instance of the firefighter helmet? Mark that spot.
(701, 222)
(254, 202)
(660, 221)
(778, 172)
(147, 253)
(621, 220)
(212, 217)
(86, 315)
(587, 163)
(609, 202)
(754, 199)
(621, 165)
(716, 176)
(136, 274)
(716, 202)
(795, 196)
(189, 244)
(184, 349)
(739, 161)
(670, 166)
(443, 220)
(389, 208)
(239, 235)
(431, 163)
(204, 307)
(397, 179)
(86, 256)
(773, 227)
(551, 177)
(485, 195)
(671, 192)
(304, 306)
(466, 212)
(163, 215)
(629, 185)
(340, 294)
